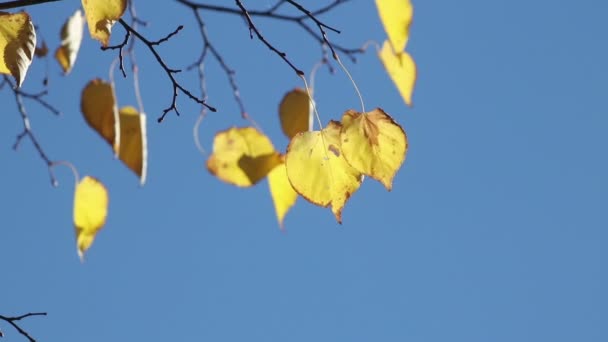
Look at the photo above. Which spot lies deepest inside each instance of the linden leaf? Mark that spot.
(71, 37)
(98, 105)
(283, 195)
(396, 16)
(317, 170)
(295, 112)
(90, 211)
(133, 141)
(242, 156)
(17, 44)
(373, 144)
(101, 16)
(402, 70)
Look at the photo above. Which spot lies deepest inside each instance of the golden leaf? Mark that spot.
(101, 16)
(295, 112)
(90, 211)
(396, 16)
(318, 171)
(17, 44)
(373, 144)
(98, 105)
(133, 141)
(71, 37)
(242, 156)
(283, 195)
(402, 70)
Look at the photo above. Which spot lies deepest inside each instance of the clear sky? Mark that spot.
(496, 229)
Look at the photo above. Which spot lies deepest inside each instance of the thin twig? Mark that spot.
(12, 321)
(22, 3)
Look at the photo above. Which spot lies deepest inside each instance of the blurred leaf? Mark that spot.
(317, 170)
(90, 211)
(283, 195)
(98, 105)
(295, 112)
(396, 16)
(402, 70)
(133, 141)
(42, 50)
(242, 156)
(71, 37)
(373, 144)
(101, 16)
(17, 44)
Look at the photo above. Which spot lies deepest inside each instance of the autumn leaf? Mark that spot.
(318, 171)
(401, 69)
(71, 37)
(396, 16)
(242, 156)
(90, 211)
(373, 144)
(133, 150)
(17, 44)
(283, 195)
(101, 16)
(98, 105)
(295, 112)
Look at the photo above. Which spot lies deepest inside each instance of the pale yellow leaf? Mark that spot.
(133, 141)
(396, 16)
(402, 70)
(90, 211)
(17, 44)
(283, 195)
(317, 170)
(71, 37)
(242, 156)
(98, 105)
(374, 144)
(101, 16)
(295, 112)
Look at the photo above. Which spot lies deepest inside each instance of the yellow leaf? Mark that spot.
(98, 105)
(17, 44)
(133, 146)
(242, 156)
(317, 170)
(396, 16)
(90, 211)
(402, 70)
(283, 195)
(101, 15)
(295, 112)
(71, 37)
(373, 144)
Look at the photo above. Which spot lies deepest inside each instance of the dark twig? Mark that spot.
(22, 3)
(254, 29)
(12, 321)
(170, 72)
(27, 129)
(120, 47)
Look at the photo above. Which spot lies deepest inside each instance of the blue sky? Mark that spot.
(495, 230)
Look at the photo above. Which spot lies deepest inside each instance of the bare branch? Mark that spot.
(22, 3)
(12, 321)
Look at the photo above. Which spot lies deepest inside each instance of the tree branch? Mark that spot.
(22, 3)
(12, 321)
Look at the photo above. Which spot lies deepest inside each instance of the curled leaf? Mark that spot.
(133, 141)
(283, 195)
(396, 16)
(242, 156)
(295, 112)
(17, 44)
(90, 211)
(71, 37)
(101, 16)
(402, 70)
(373, 144)
(318, 171)
(98, 105)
